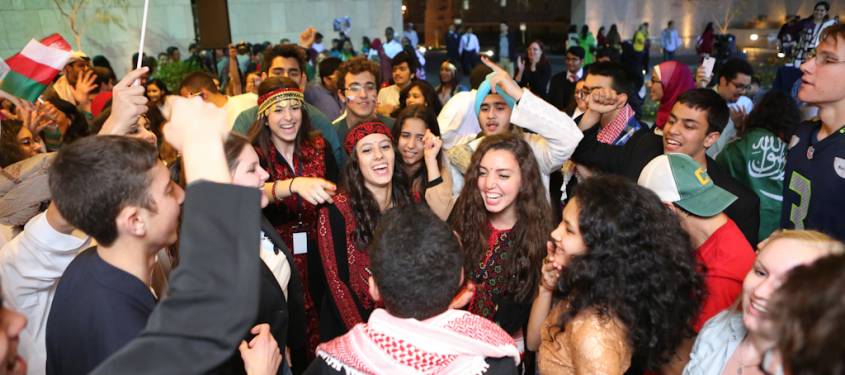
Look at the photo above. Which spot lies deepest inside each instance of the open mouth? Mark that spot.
(491, 199)
(672, 144)
(381, 169)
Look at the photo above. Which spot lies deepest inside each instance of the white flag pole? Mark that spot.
(143, 35)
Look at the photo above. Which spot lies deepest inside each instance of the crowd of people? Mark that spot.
(529, 223)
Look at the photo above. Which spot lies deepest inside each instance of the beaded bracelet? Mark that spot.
(275, 196)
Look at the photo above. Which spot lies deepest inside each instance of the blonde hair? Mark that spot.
(811, 238)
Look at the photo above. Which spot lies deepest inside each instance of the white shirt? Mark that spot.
(412, 37)
(469, 42)
(392, 48)
(31, 265)
(276, 262)
(318, 47)
(670, 40)
(237, 104)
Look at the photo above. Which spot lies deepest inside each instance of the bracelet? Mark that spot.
(275, 196)
(290, 186)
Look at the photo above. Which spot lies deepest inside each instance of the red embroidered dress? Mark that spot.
(294, 214)
(346, 269)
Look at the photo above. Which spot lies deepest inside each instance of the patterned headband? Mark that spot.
(268, 100)
(362, 130)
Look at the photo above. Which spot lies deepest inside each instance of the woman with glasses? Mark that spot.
(734, 341)
(669, 80)
(619, 289)
(301, 168)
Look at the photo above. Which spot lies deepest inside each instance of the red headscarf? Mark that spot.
(676, 79)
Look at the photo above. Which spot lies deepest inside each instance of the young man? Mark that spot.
(404, 67)
(322, 95)
(695, 123)
(289, 60)
(506, 48)
(686, 188)
(617, 121)
(202, 84)
(734, 81)
(416, 271)
(357, 87)
(670, 41)
(562, 85)
(76, 81)
(103, 299)
(815, 160)
(468, 49)
(391, 45)
(553, 136)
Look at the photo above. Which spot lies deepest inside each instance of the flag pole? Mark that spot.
(143, 35)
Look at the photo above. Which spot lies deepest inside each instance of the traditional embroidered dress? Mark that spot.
(294, 214)
(493, 298)
(454, 342)
(345, 264)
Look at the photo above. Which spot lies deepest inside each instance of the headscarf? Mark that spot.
(362, 130)
(383, 60)
(270, 99)
(676, 79)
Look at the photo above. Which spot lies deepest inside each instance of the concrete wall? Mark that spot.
(690, 16)
(170, 23)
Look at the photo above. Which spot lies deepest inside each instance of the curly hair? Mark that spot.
(364, 204)
(776, 112)
(260, 132)
(357, 65)
(428, 92)
(469, 217)
(10, 150)
(639, 268)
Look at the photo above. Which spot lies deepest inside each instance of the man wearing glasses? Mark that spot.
(814, 176)
(734, 80)
(357, 87)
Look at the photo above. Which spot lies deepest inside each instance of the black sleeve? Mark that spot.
(332, 171)
(501, 366)
(627, 160)
(320, 367)
(213, 294)
(512, 315)
(543, 75)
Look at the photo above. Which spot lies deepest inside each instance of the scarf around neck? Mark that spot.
(454, 342)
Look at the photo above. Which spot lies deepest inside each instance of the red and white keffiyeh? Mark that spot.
(455, 342)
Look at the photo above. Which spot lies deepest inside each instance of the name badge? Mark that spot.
(300, 243)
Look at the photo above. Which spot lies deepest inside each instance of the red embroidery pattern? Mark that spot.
(408, 354)
(613, 129)
(480, 329)
(490, 279)
(311, 162)
(358, 259)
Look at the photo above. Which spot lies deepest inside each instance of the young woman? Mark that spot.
(620, 288)
(373, 181)
(281, 302)
(301, 168)
(450, 82)
(17, 143)
(669, 80)
(704, 43)
(503, 219)
(536, 72)
(418, 93)
(159, 97)
(733, 341)
(418, 142)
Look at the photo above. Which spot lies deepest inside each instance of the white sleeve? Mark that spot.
(32, 263)
(457, 120)
(556, 136)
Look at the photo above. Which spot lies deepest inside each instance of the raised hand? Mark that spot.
(128, 103)
(85, 83)
(306, 38)
(431, 146)
(261, 355)
(315, 190)
(550, 270)
(604, 100)
(192, 118)
(18, 102)
(520, 63)
(501, 80)
(738, 117)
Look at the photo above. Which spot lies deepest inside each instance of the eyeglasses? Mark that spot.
(585, 92)
(741, 86)
(356, 88)
(823, 59)
(770, 364)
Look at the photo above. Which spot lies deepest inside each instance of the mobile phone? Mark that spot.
(709, 63)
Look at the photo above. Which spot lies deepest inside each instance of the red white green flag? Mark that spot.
(29, 72)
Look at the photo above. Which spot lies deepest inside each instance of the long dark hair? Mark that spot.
(639, 268)
(260, 132)
(364, 204)
(427, 116)
(469, 218)
(543, 59)
(776, 112)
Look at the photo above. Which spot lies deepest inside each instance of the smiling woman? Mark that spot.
(373, 181)
(503, 219)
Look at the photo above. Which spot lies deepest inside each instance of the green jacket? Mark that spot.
(757, 160)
